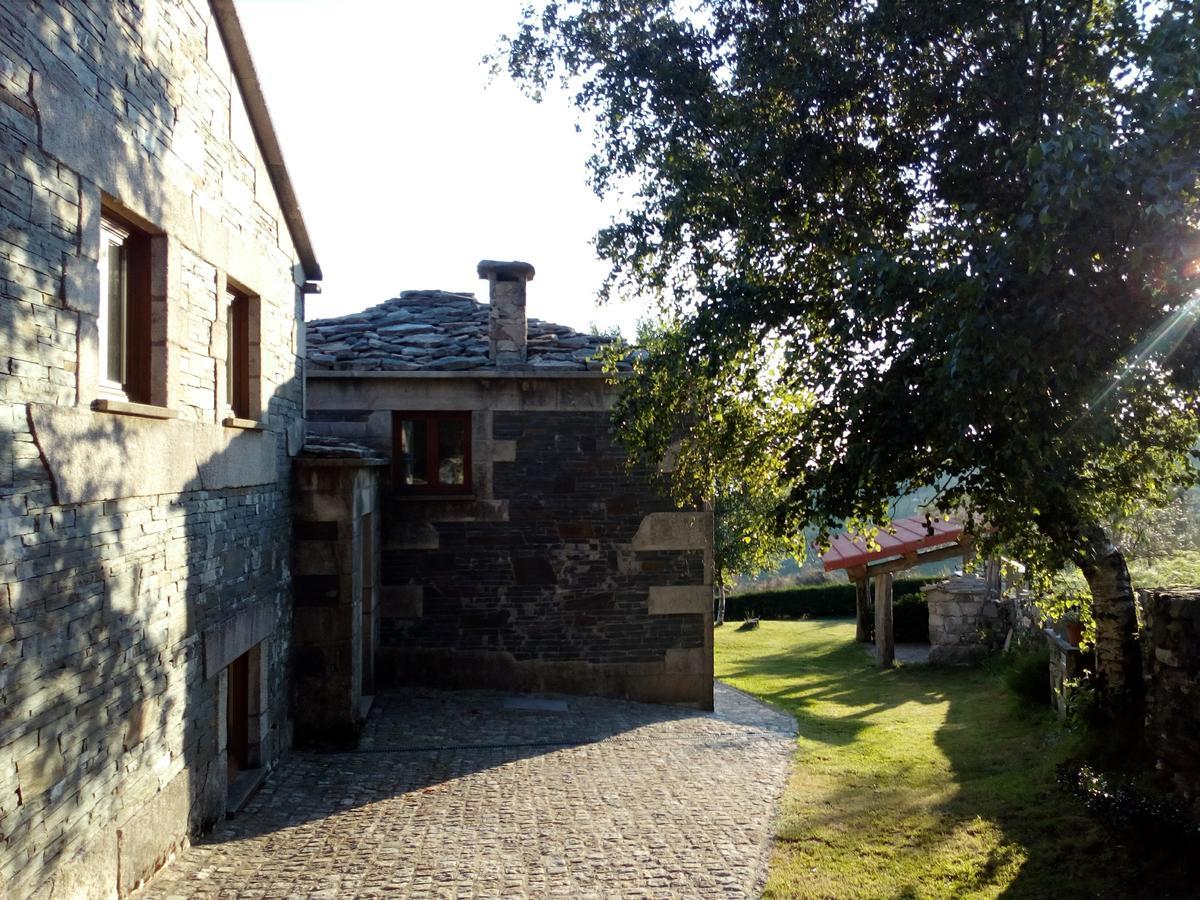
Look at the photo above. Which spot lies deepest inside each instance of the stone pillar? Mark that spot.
(334, 498)
(1171, 669)
(507, 335)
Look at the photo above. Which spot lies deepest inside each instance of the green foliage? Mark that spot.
(1182, 568)
(904, 244)
(1141, 814)
(733, 457)
(1152, 533)
(813, 601)
(910, 619)
(1027, 673)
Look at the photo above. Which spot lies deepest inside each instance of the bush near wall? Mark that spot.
(910, 618)
(820, 601)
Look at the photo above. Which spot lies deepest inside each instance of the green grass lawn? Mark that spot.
(923, 782)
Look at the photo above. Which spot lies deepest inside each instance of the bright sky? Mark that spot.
(411, 167)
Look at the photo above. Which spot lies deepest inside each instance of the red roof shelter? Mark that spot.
(905, 543)
(909, 540)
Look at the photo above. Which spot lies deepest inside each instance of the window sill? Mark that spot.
(245, 424)
(126, 408)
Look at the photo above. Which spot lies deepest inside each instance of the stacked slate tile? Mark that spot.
(438, 331)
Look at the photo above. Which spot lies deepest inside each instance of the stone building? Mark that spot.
(517, 550)
(153, 263)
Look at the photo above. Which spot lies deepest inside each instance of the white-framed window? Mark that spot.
(125, 311)
(114, 307)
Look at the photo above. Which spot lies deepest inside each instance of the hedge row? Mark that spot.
(820, 601)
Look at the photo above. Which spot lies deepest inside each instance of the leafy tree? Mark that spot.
(722, 435)
(745, 539)
(1157, 532)
(965, 230)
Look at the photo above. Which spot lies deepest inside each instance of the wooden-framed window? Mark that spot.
(237, 353)
(432, 452)
(125, 305)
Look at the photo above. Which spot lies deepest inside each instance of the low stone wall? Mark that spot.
(964, 624)
(1024, 615)
(1171, 667)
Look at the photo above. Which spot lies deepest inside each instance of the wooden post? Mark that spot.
(993, 577)
(885, 641)
(862, 607)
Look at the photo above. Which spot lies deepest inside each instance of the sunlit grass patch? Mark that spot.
(922, 782)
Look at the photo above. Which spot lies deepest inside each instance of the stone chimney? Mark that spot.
(506, 294)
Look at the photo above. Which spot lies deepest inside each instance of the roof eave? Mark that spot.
(234, 39)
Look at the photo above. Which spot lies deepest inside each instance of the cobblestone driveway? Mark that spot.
(476, 794)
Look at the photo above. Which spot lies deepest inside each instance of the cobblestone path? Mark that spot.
(478, 794)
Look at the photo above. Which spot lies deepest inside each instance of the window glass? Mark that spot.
(231, 349)
(432, 451)
(237, 354)
(451, 452)
(116, 300)
(413, 447)
(125, 312)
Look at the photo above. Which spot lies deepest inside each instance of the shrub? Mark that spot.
(815, 601)
(1027, 673)
(1133, 809)
(910, 619)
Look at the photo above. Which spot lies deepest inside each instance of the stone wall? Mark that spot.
(336, 616)
(965, 624)
(1171, 668)
(562, 571)
(139, 555)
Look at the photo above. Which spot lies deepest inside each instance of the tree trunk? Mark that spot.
(720, 620)
(862, 606)
(1118, 655)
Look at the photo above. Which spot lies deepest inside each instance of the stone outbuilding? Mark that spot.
(966, 623)
(153, 266)
(518, 551)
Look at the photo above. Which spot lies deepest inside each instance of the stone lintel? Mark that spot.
(504, 451)
(674, 531)
(680, 600)
(226, 641)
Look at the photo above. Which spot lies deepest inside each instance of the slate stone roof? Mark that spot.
(322, 446)
(438, 331)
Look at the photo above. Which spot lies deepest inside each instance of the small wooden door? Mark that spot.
(237, 712)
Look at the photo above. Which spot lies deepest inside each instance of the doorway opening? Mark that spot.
(244, 717)
(369, 619)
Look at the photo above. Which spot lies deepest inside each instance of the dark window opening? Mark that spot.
(237, 354)
(432, 452)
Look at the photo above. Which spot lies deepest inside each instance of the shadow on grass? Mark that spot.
(939, 776)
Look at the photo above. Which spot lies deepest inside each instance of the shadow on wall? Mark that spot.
(120, 549)
(113, 734)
